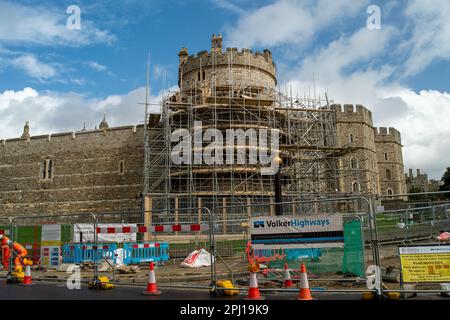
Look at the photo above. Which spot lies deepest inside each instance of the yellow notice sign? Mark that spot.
(425, 263)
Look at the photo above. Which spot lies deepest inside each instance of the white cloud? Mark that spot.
(33, 67)
(228, 5)
(425, 128)
(423, 118)
(97, 66)
(51, 112)
(289, 21)
(430, 39)
(20, 24)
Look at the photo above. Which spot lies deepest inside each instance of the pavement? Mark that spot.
(59, 291)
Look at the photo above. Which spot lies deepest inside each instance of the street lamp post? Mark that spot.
(278, 191)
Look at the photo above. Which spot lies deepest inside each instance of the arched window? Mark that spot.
(390, 193)
(353, 163)
(351, 138)
(121, 167)
(356, 187)
(47, 169)
(388, 174)
(386, 156)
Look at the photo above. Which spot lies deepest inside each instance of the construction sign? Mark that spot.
(425, 264)
(50, 245)
(293, 232)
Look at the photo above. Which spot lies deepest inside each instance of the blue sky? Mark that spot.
(59, 78)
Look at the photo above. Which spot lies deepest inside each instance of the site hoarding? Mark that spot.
(425, 264)
(85, 233)
(294, 232)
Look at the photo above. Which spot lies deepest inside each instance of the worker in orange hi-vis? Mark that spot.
(18, 248)
(6, 252)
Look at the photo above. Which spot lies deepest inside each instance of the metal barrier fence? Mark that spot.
(135, 253)
(228, 239)
(82, 253)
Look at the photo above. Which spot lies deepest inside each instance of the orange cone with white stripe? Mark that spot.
(305, 293)
(27, 278)
(253, 290)
(287, 277)
(152, 288)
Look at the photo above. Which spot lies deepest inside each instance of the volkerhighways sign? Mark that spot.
(294, 232)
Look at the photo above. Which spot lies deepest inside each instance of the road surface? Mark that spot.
(59, 291)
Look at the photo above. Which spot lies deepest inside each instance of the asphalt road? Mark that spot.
(58, 291)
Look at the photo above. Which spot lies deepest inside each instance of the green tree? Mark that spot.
(446, 180)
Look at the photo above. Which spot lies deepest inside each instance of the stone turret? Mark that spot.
(26, 131)
(390, 161)
(103, 125)
(354, 128)
(216, 43)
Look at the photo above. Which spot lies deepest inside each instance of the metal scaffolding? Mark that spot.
(307, 135)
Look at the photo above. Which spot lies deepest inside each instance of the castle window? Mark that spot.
(356, 187)
(353, 163)
(47, 169)
(385, 156)
(204, 74)
(351, 138)
(198, 76)
(121, 167)
(388, 174)
(389, 192)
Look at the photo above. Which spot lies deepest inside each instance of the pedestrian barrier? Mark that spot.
(80, 253)
(135, 253)
(153, 229)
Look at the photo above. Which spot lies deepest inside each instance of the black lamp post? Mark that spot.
(277, 185)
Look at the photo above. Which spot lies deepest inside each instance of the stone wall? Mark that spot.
(86, 172)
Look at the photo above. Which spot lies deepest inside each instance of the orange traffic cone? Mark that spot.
(152, 288)
(305, 293)
(253, 290)
(27, 278)
(287, 277)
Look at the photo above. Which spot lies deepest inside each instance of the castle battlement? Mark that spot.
(64, 136)
(244, 58)
(352, 113)
(387, 134)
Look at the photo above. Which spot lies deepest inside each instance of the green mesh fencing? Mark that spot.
(32, 234)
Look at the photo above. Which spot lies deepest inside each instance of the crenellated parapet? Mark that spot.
(383, 134)
(244, 66)
(65, 137)
(352, 113)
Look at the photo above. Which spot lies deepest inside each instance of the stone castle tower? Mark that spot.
(358, 170)
(390, 161)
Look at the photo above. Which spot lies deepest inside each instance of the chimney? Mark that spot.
(410, 173)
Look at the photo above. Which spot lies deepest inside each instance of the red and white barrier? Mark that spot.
(155, 229)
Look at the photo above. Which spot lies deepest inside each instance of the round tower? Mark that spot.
(226, 70)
